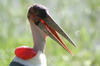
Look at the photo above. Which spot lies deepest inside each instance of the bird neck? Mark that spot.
(38, 38)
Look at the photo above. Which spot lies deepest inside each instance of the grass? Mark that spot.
(80, 19)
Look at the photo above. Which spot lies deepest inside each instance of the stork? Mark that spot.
(42, 25)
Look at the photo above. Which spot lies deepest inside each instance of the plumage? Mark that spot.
(38, 60)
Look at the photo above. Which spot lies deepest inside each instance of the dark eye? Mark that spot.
(37, 22)
(36, 12)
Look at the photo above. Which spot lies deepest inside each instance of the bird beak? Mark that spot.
(51, 29)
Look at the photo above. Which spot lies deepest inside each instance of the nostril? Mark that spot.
(25, 53)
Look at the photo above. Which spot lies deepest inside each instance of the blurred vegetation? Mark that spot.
(79, 18)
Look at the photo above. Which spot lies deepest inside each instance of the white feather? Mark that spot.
(38, 60)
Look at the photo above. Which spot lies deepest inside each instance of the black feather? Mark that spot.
(15, 64)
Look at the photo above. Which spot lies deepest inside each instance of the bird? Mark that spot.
(42, 25)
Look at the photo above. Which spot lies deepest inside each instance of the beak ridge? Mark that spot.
(56, 27)
(53, 34)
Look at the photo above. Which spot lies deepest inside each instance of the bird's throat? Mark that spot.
(38, 38)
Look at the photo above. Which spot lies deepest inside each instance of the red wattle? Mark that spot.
(25, 53)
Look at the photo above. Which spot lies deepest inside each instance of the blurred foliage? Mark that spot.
(79, 18)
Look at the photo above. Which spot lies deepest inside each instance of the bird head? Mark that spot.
(42, 22)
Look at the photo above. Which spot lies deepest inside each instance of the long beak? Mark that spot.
(51, 30)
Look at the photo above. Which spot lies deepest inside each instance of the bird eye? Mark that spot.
(36, 12)
(37, 22)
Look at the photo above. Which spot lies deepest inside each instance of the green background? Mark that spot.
(79, 18)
